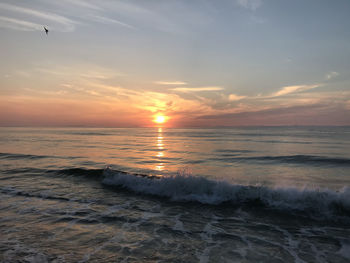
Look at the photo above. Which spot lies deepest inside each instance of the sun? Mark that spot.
(160, 119)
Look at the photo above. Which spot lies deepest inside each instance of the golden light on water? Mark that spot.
(160, 146)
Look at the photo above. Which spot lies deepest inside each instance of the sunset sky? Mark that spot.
(199, 63)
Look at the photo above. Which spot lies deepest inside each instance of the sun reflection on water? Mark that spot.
(160, 146)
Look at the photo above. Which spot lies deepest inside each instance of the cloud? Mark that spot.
(170, 82)
(106, 20)
(65, 24)
(250, 4)
(292, 89)
(257, 20)
(186, 89)
(79, 71)
(82, 3)
(151, 101)
(234, 97)
(314, 114)
(16, 24)
(331, 75)
(88, 12)
(55, 21)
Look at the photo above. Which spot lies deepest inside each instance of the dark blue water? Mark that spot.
(175, 195)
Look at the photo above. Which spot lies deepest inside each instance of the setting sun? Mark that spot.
(159, 119)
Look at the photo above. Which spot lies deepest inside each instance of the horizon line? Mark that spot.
(156, 127)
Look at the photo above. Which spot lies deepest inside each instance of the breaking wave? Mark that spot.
(322, 204)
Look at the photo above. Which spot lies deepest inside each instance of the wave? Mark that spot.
(78, 172)
(15, 156)
(21, 156)
(12, 191)
(325, 204)
(314, 203)
(290, 159)
(86, 133)
(93, 173)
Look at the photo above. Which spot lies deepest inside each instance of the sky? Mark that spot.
(198, 63)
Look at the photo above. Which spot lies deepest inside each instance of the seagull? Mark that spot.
(46, 30)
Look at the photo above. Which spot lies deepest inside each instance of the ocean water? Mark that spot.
(262, 194)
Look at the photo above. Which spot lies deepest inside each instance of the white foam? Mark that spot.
(207, 236)
(179, 226)
(292, 244)
(345, 250)
(37, 258)
(183, 187)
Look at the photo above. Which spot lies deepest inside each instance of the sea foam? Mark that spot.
(322, 203)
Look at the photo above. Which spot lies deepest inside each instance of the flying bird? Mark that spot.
(46, 30)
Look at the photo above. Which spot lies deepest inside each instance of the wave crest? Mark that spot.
(323, 203)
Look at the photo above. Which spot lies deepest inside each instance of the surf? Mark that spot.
(182, 187)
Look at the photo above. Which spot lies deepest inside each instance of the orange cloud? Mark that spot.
(188, 89)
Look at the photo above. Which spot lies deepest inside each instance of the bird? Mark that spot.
(46, 30)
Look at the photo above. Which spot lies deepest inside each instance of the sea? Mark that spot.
(249, 194)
